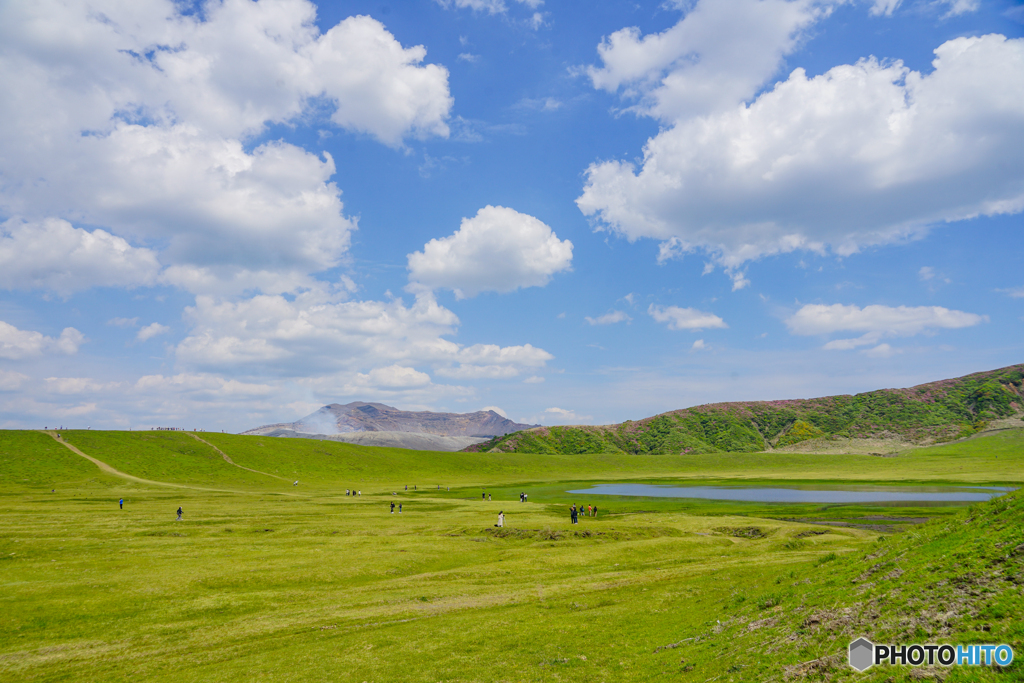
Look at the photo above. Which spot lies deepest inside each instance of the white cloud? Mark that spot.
(926, 273)
(534, 379)
(231, 220)
(715, 57)
(958, 7)
(865, 154)
(498, 250)
(53, 255)
(875, 322)
(541, 104)
(199, 386)
(317, 334)
(698, 345)
(18, 344)
(136, 118)
(881, 351)
(12, 381)
(496, 409)
(1017, 293)
(78, 385)
(151, 330)
(884, 7)
(609, 318)
(123, 322)
(489, 6)
(468, 57)
(563, 416)
(685, 318)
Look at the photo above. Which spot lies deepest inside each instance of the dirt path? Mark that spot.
(139, 480)
(232, 462)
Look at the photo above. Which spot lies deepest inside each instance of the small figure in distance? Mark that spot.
(488, 497)
(120, 503)
(296, 483)
(359, 493)
(392, 507)
(595, 511)
(406, 487)
(179, 514)
(483, 496)
(399, 508)
(501, 519)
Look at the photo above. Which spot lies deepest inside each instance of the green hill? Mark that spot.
(926, 414)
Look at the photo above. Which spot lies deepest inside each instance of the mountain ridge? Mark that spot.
(360, 416)
(935, 412)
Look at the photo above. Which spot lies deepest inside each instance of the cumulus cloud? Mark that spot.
(497, 250)
(716, 56)
(151, 330)
(314, 333)
(875, 322)
(685, 318)
(865, 154)
(137, 118)
(18, 344)
(609, 318)
(53, 255)
(698, 345)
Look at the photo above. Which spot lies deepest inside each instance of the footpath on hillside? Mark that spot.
(139, 480)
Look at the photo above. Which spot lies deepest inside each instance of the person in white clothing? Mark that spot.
(501, 519)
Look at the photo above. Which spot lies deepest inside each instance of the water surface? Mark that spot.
(781, 494)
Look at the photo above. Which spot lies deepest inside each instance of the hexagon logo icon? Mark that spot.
(862, 654)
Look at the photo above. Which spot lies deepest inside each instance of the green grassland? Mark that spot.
(265, 580)
(929, 413)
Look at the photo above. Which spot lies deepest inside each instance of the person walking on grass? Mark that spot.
(572, 514)
(501, 519)
(595, 511)
(392, 507)
(179, 514)
(399, 508)
(120, 503)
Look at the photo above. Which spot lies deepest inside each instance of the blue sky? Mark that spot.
(223, 214)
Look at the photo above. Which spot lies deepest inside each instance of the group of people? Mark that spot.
(523, 497)
(393, 508)
(574, 513)
(353, 492)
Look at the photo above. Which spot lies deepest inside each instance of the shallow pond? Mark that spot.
(832, 494)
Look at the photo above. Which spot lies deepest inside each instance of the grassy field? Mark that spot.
(265, 580)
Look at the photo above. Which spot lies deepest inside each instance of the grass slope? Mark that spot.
(317, 586)
(935, 412)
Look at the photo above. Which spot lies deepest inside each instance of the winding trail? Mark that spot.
(232, 462)
(139, 480)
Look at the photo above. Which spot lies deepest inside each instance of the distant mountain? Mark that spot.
(377, 417)
(929, 413)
